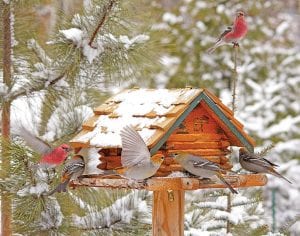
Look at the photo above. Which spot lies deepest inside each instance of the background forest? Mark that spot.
(60, 59)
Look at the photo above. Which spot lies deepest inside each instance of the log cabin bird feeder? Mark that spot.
(187, 120)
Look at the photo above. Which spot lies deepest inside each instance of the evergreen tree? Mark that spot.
(53, 88)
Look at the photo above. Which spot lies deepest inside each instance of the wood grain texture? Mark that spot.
(195, 137)
(198, 145)
(165, 183)
(168, 213)
(203, 152)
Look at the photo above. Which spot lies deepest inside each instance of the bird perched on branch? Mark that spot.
(233, 33)
(50, 157)
(254, 163)
(201, 167)
(72, 170)
(136, 159)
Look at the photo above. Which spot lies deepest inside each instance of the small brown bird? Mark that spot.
(254, 163)
(71, 171)
(201, 167)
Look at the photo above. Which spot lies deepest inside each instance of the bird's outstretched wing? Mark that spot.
(134, 149)
(37, 144)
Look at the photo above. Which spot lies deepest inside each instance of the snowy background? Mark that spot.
(178, 34)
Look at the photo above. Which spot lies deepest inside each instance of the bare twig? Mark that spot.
(266, 150)
(229, 197)
(234, 82)
(101, 23)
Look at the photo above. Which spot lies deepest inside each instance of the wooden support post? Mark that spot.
(168, 213)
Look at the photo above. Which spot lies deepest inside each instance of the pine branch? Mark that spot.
(101, 23)
(266, 150)
(35, 88)
(39, 51)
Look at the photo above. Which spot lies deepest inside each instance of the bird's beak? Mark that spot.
(173, 155)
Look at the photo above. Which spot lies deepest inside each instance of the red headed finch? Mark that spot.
(51, 157)
(233, 33)
(136, 159)
(254, 163)
(201, 167)
(71, 171)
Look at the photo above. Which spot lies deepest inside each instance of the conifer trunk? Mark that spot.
(6, 211)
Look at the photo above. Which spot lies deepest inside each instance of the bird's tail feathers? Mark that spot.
(211, 49)
(62, 187)
(275, 173)
(227, 184)
(214, 47)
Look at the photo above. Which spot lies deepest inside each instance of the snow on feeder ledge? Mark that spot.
(169, 121)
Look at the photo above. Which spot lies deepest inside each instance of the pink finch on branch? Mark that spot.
(51, 157)
(72, 170)
(233, 33)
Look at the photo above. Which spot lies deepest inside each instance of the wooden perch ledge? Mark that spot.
(171, 183)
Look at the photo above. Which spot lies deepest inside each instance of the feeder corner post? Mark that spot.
(168, 213)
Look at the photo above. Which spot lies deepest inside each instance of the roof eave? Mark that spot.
(204, 97)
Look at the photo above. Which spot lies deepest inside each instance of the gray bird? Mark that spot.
(137, 162)
(254, 163)
(201, 167)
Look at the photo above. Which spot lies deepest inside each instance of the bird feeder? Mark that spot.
(187, 120)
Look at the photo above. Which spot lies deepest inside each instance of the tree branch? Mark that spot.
(101, 23)
(24, 91)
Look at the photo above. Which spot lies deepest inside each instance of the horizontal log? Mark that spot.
(110, 158)
(198, 145)
(166, 183)
(224, 159)
(226, 166)
(204, 137)
(102, 166)
(203, 152)
(169, 164)
(170, 168)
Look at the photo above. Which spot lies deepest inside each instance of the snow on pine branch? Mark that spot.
(122, 210)
(39, 51)
(81, 40)
(51, 216)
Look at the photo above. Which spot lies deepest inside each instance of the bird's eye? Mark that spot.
(162, 158)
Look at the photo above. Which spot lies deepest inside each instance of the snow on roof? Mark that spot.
(153, 112)
(150, 111)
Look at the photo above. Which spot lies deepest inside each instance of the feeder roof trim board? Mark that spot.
(155, 114)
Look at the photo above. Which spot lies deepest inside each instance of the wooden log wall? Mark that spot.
(198, 134)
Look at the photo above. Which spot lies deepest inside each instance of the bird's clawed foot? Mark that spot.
(143, 182)
(236, 45)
